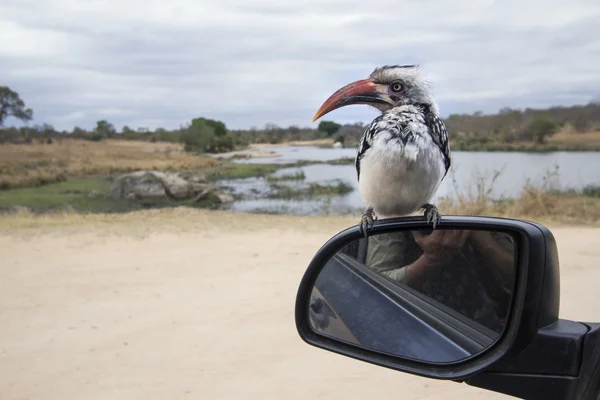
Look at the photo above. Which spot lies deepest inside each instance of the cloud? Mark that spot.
(159, 64)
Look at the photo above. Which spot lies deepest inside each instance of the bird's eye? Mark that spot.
(396, 87)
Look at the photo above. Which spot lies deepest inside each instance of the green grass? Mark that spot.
(312, 190)
(227, 170)
(74, 194)
(342, 161)
(296, 176)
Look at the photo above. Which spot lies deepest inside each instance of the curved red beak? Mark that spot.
(364, 91)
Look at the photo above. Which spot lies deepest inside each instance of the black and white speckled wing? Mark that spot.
(439, 134)
(363, 146)
(394, 124)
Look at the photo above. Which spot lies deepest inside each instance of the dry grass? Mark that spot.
(533, 205)
(540, 203)
(37, 164)
(565, 138)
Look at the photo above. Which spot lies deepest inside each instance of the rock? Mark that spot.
(143, 184)
(154, 184)
(202, 195)
(200, 187)
(225, 197)
(338, 145)
(193, 177)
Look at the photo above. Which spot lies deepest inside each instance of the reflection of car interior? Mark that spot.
(374, 309)
(324, 318)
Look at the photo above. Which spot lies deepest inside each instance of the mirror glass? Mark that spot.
(437, 296)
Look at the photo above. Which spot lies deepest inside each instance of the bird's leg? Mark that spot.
(366, 222)
(432, 214)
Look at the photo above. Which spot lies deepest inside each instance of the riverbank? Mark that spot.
(91, 195)
(28, 165)
(303, 181)
(562, 141)
(533, 204)
(183, 303)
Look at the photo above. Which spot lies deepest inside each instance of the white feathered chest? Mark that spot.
(401, 160)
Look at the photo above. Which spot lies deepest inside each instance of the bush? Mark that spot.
(220, 144)
(339, 138)
(329, 127)
(591, 191)
(95, 137)
(542, 128)
(198, 137)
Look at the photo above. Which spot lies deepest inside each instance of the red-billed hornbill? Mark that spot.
(404, 154)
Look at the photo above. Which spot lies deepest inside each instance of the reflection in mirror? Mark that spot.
(436, 296)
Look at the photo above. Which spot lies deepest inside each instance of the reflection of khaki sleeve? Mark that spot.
(386, 255)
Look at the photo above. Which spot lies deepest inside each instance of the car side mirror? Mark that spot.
(431, 296)
(470, 301)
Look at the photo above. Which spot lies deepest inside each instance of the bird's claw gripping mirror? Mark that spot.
(455, 302)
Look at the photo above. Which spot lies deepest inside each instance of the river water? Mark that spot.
(568, 170)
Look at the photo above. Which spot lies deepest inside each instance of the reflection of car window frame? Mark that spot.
(335, 326)
(467, 333)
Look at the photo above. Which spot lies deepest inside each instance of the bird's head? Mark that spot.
(387, 87)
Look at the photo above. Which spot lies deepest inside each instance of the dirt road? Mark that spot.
(181, 304)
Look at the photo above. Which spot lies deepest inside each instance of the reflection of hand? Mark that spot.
(441, 245)
(484, 241)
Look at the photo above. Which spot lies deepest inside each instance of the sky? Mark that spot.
(149, 63)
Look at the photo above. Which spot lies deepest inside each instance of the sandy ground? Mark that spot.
(181, 304)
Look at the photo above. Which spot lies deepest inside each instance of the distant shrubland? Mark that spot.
(556, 128)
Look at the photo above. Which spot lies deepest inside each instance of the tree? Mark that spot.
(128, 133)
(198, 136)
(11, 105)
(218, 126)
(329, 127)
(79, 132)
(541, 128)
(104, 129)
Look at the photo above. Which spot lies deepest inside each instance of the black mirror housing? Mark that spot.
(531, 322)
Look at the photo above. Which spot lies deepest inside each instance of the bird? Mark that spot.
(404, 154)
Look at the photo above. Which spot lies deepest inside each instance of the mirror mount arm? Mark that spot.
(562, 362)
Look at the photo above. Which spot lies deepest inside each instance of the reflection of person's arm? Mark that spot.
(501, 260)
(437, 248)
(416, 273)
(398, 274)
(386, 255)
